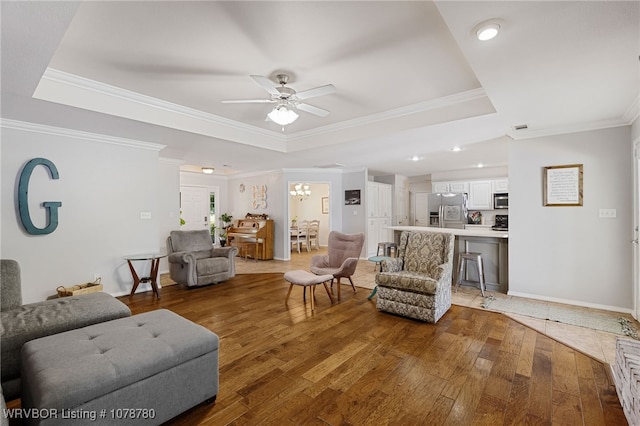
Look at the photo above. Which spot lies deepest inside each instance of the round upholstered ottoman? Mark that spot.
(144, 369)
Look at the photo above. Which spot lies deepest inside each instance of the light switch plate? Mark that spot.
(145, 215)
(607, 213)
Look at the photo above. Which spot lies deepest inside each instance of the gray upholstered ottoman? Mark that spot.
(144, 369)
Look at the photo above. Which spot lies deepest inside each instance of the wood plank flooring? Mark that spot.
(349, 364)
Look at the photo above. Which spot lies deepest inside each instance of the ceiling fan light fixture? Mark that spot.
(282, 115)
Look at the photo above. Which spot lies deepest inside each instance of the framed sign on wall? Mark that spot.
(562, 185)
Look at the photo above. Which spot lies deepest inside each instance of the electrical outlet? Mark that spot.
(97, 276)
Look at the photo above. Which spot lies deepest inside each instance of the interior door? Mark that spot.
(421, 209)
(194, 205)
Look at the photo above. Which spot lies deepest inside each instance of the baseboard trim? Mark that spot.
(571, 302)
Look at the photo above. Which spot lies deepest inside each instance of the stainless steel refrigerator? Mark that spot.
(447, 210)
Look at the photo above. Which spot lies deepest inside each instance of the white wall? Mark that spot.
(104, 184)
(241, 203)
(168, 215)
(569, 254)
(278, 200)
(470, 174)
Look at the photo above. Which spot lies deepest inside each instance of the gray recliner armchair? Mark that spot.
(193, 261)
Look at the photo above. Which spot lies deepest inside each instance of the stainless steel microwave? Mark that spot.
(501, 200)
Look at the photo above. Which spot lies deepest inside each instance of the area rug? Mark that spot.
(566, 315)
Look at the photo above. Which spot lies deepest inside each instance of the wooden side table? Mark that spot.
(153, 274)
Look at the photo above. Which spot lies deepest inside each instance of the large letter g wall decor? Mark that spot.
(51, 207)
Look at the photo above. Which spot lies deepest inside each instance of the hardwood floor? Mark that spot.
(347, 363)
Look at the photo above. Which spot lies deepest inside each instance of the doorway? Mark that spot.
(198, 206)
(315, 206)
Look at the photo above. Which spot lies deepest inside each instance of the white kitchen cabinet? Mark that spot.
(480, 195)
(453, 186)
(459, 187)
(377, 233)
(421, 209)
(379, 204)
(440, 187)
(379, 200)
(501, 185)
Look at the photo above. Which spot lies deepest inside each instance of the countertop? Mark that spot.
(459, 232)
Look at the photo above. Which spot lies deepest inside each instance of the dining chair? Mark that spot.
(299, 235)
(312, 236)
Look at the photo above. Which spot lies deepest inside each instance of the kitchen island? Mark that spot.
(494, 246)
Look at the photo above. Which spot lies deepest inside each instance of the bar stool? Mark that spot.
(386, 248)
(463, 258)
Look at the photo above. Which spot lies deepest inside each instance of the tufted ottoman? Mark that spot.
(144, 369)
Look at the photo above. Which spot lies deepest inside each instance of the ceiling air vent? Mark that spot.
(521, 127)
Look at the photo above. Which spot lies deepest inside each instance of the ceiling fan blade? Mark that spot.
(318, 91)
(312, 110)
(248, 101)
(266, 84)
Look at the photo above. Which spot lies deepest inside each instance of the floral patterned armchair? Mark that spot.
(417, 283)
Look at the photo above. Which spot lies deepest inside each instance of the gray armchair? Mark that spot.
(193, 261)
(342, 258)
(417, 283)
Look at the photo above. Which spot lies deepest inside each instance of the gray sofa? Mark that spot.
(193, 261)
(21, 323)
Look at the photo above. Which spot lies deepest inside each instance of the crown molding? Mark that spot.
(255, 174)
(313, 170)
(77, 134)
(445, 101)
(56, 78)
(576, 128)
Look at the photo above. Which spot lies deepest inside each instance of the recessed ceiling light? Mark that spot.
(456, 149)
(207, 170)
(415, 158)
(480, 165)
(486, 30)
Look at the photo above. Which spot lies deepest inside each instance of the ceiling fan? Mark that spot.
(286, 99)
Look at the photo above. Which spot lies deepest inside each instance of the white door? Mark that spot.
(194, 205)
(421, 213)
